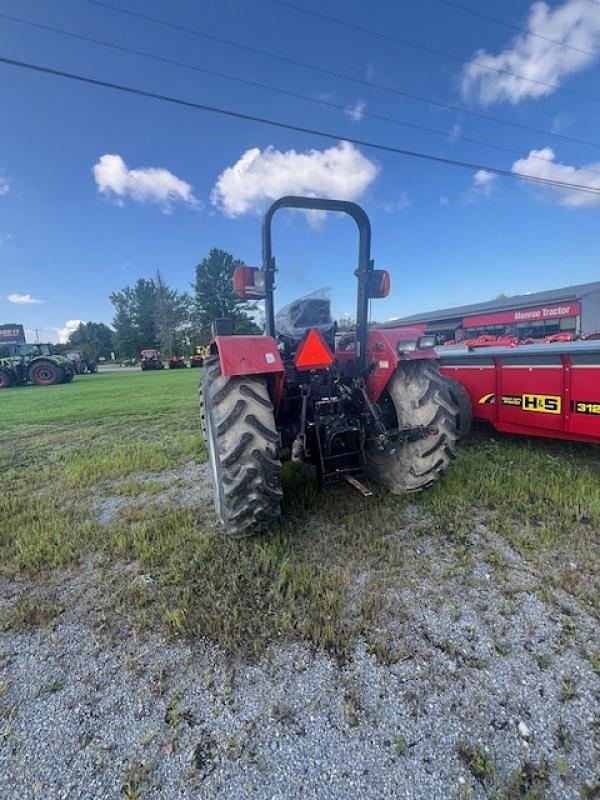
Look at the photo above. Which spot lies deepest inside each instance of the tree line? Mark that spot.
(152, 314)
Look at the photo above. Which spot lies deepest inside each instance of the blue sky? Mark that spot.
(69, 235)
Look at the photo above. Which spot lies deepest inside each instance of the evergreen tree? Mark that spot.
(214, 296)
(134, 323)
(96, 338)
(172, 311)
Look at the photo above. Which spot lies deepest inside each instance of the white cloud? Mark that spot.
(4, 186)
(260, 176)
(444, 201)
(398, 204)
(324, 97)
(147, 185)
(575, 23)
(542, 164)
(356, 111)
(483, 185)
(455, 132)
(70, 327)
(23, 299)
(483, 181)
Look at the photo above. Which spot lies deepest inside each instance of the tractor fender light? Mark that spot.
(406, 346)
(410, 345)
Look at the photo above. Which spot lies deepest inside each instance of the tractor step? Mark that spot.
(358, 485)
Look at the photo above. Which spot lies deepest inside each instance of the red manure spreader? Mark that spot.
(549, 389)
(373, 405)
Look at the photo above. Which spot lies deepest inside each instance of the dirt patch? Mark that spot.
(185, 487)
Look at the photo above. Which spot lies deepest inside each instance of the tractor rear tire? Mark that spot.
(239, 428)
(45, 373)
(460, 398)
(418, 395)
(6, 378)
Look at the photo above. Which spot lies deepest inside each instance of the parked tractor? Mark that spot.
(373, 405)
(150, 359)
(81, 361)
(176, 362)
(197, 358)
(34, 363)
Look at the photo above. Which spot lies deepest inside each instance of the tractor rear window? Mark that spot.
(311, 311)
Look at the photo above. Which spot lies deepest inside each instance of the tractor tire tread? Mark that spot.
(8, 378)
(420, 396)
(239, 427)
(461, 398)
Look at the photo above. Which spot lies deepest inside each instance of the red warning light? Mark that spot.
(313, 353)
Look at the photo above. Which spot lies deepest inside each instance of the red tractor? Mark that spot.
(150, 359)
(176, 362)
(376, 405)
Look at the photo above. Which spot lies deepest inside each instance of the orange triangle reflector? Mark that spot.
(313, 353)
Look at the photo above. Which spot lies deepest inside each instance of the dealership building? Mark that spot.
(574, 309)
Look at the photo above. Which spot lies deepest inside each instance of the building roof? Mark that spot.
(517, 301)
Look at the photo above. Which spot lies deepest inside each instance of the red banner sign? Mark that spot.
(537, 314)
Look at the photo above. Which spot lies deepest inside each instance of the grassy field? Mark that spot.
(329, 574)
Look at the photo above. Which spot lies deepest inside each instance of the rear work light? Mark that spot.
(249, 283)
(378, 283)
(313, 353)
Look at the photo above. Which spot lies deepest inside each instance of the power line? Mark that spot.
(480, 14)
(432, 50)
(256, 84)
(299, 129)
(342, 76)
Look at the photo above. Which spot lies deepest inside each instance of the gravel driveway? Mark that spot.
(483, 705)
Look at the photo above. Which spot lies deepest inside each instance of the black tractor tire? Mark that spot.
(239, 429)
(460, 398)
(419, 396)
(7, 378)
(45, 373)
(68, 377)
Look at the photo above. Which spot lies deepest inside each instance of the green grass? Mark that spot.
(130, 394)
(331, 570)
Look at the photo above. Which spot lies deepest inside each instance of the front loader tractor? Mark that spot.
(370, 404)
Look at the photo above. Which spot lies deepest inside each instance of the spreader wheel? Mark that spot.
(239, 428)
(45, 373)
(417, 395)
(6, 378)
(462, 401)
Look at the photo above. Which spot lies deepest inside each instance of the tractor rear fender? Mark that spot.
(252, 355)
(387, 348)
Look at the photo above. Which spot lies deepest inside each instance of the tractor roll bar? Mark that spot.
(364, 261)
